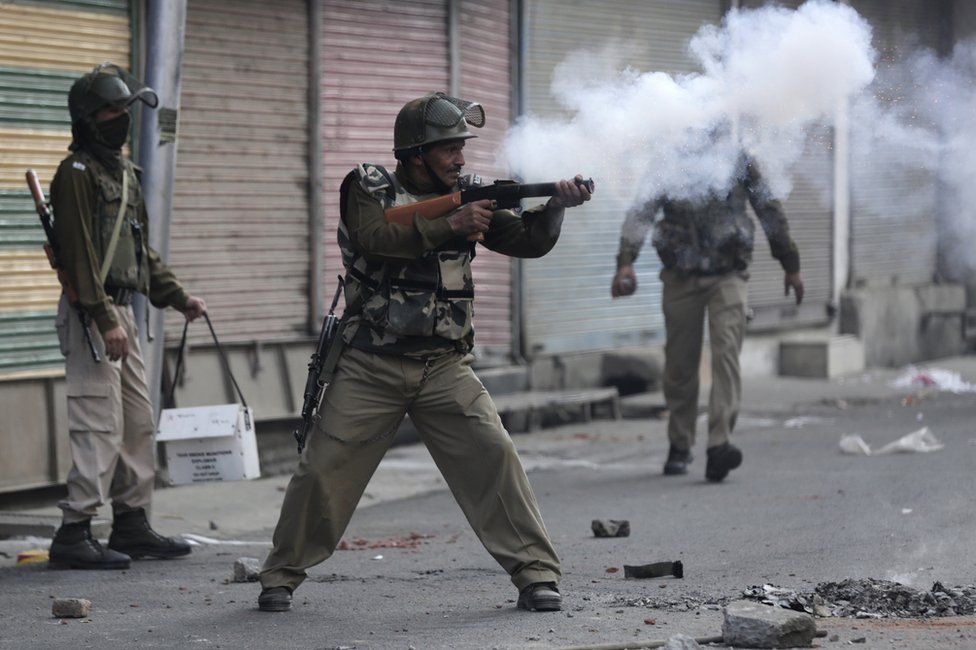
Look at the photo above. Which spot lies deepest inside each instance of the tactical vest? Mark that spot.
(128, 268)
(430, 296)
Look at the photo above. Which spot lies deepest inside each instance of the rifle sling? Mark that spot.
(339, 342)
(110, 252)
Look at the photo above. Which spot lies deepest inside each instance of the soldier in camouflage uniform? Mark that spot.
(408, 351)
(705, 247)
(107, 259)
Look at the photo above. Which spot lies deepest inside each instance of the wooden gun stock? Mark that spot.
(430, 209)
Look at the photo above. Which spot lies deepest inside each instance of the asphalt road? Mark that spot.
(797, 513)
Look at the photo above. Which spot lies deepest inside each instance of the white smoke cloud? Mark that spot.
(769, 74)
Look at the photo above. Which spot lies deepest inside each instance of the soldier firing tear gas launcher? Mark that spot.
(505, 194)
(51, 248)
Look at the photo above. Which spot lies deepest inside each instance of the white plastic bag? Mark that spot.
(921, 441)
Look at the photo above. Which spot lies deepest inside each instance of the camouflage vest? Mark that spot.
(128, 268)
(428, 297)
(707, 236)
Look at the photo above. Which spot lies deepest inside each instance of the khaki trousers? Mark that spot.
(456, 420)
(685, 301)
(110, 422)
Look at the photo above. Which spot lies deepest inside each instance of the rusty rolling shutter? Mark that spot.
(893, 207)
(486, 77)
(44, 47)
(568, 291)
(240, 205)
(809, 209)
(375, 57)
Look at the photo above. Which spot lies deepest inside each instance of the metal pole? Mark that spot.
(165, 26)
(315, 170)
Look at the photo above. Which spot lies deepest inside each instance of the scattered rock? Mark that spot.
(859, 639)
(71, 608)
(610, 528)
(753, 625)
(213, 525)
(834, 638)
(246, 569)
(682, 642)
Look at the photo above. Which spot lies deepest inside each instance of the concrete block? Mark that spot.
(824, 358)
(942, 335)
(632, 371)
(610, 528)
(753, 625)
(246, 569)
(504, 380)
(941, 298)
(682, 642)
(886, 320)
(71, 608)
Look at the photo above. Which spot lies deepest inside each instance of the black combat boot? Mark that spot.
(722, 459)
(275, 599)
(540, 597)
(677, 462)
(132, 534)
(73, 547)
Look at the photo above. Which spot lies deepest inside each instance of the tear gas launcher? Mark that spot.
(506, 195)
(51, 249)
(317, 372)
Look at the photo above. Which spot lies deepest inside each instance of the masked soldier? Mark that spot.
(705, 246)
(408, 351)
(102, 230)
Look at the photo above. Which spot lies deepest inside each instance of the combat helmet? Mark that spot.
(106, 85)
(435, 117)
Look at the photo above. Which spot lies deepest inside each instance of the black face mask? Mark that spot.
(114, 132)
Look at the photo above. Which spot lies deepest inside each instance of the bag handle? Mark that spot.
(110, 252)
(223, 359)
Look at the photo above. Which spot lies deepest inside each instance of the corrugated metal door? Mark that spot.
(239, 234)
(893, 206)
(375, 58)
(809, 209)
(485, 53)
(567, 293)
(44, 47)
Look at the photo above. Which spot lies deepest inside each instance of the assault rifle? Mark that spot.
(505, 194)
(316, 372)
(52, 250)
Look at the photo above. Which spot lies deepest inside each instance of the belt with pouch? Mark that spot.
(121, 297)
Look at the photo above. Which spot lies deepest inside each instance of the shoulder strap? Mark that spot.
(110, 252)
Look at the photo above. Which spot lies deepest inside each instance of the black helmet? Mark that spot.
(434, 118)
(107, 85)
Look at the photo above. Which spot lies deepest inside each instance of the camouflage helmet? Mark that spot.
(106, 85)
(435, 117)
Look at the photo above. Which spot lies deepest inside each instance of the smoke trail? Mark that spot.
(768, 75)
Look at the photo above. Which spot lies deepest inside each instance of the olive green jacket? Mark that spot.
(712, 235)
(85, 199)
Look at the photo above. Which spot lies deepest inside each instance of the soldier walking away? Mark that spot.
(102, 227)
(408, 351)
(705, 246)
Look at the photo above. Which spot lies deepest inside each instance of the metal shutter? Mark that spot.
(44, 47)
(240, 201)
(893, 210)
(486, 78)
(809, 209)
(375, 58)
(567, 292)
